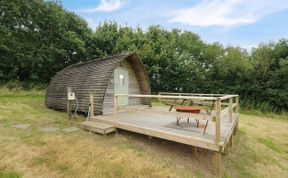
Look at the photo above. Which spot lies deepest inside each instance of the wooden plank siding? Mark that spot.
(94, 77)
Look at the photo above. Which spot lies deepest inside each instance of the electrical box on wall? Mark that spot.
(71, 96)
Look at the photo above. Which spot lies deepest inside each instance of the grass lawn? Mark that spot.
(260, 149)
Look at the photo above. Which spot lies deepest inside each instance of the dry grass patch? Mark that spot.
(261, 148)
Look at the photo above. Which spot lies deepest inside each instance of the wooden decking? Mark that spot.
(158, 123)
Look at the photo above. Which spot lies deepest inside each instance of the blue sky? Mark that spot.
(243, 23)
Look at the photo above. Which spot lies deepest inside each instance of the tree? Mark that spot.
(39, 38)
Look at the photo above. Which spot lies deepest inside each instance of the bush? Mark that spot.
(14, 84)
(36, 86)
(17, 85)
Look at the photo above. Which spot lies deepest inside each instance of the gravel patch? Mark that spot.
(49, 129)
(22, 126)
(71, 129)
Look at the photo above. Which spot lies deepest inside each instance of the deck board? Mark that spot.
(153, 123)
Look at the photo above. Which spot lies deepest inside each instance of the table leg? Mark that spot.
(197, 122)
(177, 120)
(205, 127)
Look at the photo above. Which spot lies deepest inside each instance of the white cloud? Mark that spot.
(227, 12)
(92, 22)
(105, 6)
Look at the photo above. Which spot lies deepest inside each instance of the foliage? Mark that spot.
(39, 38)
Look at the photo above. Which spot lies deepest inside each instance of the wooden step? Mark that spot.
(98, 127)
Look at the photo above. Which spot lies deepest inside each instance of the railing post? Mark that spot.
(237, 104)
(218, 137)
(91, 105)
(218, 120)
(160, 100)
(115, 104)
(230, 108)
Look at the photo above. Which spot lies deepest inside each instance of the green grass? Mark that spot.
(9, 175)
(283, 115)
(270, 144)
(41, 160)
(260, 147)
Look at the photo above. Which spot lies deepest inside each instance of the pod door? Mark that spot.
(121, 85)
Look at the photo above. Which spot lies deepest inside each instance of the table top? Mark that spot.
(187, 108)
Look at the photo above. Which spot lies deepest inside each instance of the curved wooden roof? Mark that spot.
(91, 77)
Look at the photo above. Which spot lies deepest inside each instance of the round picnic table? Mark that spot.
(190, 109)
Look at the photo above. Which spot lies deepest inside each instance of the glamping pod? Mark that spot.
(123, 73)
